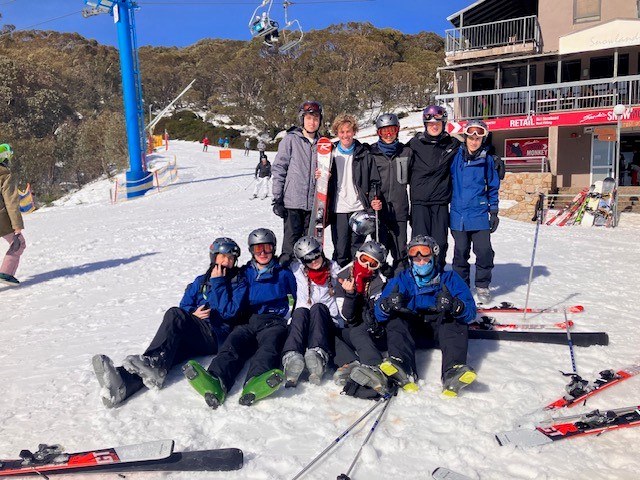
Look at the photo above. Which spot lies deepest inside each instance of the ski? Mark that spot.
(579, 390)
(594, 422)
(491, 323)
(319, 212)
(507, 307)
(573, 211)
(144, 457)
(576, 200)
(580, 339)
(442, 473)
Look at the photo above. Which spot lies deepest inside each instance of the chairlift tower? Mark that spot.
(122, 12)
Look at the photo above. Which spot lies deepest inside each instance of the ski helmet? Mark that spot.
(223, 245)
(434, 113)
(309, 107)
(375, 250)
(262, 235)
(5, 152)
(363, 223)
(307, 248)
(387, 120)
(423, 241)
(481, 129)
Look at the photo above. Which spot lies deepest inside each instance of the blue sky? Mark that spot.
(180, 23)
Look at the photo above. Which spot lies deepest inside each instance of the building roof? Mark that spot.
(486, 11)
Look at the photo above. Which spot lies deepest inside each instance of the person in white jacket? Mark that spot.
(313, 322)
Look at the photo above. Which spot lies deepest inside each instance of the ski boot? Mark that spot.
(293, 363)
(316, 361)
(261, 386)
(112, 387)
(9, 280)
(392, 368)
(484, 295)
(341, 375)
(456, 378)
(205, 384)
(371, 377)
(147, 369)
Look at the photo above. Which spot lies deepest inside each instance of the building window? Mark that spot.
(586, 11)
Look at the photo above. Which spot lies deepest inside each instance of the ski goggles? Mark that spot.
(434, 114)
(262, 248)
(311, 257)
(423, 251)
(475, 131)
(367, 261)
(311, 107)
(390, 130)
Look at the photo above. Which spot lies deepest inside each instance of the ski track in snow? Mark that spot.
(97, 278)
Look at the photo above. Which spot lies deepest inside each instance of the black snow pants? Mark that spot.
(346, 242)
(310, 328)
(432, 220)
(481, 240)
(356, 343)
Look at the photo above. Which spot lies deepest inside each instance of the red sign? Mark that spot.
(526, 147)
(559, 119)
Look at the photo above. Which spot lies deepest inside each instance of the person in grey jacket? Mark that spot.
(293, 176)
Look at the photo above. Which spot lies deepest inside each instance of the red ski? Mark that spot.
(506, 307)
(319, 213)
(490, 323)
(565, 209)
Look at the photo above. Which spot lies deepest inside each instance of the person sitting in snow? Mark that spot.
(261, 336)
(198, 326)
(310, 338)
(423, 304)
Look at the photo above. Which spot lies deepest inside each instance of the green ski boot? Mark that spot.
(205, 384)
(261, 386)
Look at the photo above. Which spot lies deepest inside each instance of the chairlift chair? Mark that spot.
(294, 37)
(261, 25)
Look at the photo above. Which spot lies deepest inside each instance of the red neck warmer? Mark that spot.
(361, 275)
(319, 277)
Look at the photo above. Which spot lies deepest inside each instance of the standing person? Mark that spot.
(391, 159)
(262, 176)
(205, 143)
(226, 142)
(294, 179)
(352, 174)
(430, 184)
(220, 142)
(310, 338)
(474, 207)
(247, 147)
(259, 339)
(261, 147)
(11, 224)
(198, 326)
(423, 304)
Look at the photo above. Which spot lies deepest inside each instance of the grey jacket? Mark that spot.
(293, 171)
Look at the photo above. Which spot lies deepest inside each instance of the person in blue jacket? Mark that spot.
(260, 338)
(474, 207)
(422, 304)
(201, 323)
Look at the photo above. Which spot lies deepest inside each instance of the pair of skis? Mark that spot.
(486, 322)
(144, 457)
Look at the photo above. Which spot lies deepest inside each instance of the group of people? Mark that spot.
(357, 312)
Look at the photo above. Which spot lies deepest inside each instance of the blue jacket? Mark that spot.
(423, 300)
(475, 191)
(268, 289)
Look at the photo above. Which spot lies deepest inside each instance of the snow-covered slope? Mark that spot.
(97, 278)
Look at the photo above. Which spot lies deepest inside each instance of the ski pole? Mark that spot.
(570, 342)
(538, 218)
(339, 437)
(250, 183)
(345, 476)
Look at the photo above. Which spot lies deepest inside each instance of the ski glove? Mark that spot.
(493, 221)
(395, 302)
(500, 166)
(278, 208)
(446, 303)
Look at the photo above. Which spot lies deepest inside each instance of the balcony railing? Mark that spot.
(538, 99)
(514, 31)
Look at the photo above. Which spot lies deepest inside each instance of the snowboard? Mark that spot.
(319, 213)
(591, 205)
(604, 213)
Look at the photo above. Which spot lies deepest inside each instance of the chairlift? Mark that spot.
(294, 37)
(261, 25)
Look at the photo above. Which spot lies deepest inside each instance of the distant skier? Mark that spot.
(261, 146)
(226, 142)
(247, 147)
(197, 327)
(262, 176)
(205, 144)
(11, 224)
(220, 142)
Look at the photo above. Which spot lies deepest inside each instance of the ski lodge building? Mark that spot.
(545, 75)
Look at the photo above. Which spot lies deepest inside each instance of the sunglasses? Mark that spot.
(262, 248)
(423, 251)
(311, 257)
(367, 261)
(476, 131)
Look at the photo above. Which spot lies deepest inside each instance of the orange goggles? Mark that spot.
(367, 261)
(262, 248)
(390, 130)
(423, 251)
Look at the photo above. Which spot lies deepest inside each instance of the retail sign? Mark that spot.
(526, 147)
(561, 119)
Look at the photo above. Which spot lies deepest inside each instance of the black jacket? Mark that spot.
(359, 308)
(364, 173)
(430, 169)
(394, 177)
(263, 170)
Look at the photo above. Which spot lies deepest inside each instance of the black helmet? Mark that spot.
(387, 120)
(223, 245)
(307, 248)
(375, 250)
(262, 235)
(425, 240)
(363, 223)
(309, 107)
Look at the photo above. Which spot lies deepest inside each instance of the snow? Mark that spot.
(97, 278)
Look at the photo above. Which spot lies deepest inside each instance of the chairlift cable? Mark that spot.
(29, 27)
(303, 2)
